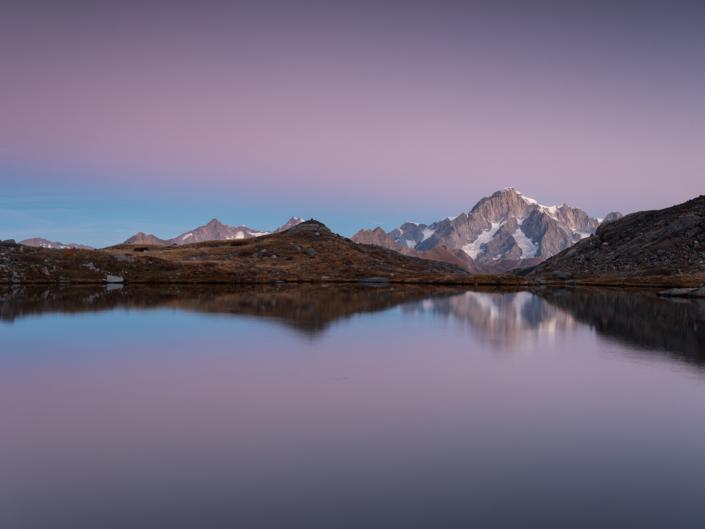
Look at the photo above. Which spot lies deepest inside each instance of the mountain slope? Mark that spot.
(662, 242)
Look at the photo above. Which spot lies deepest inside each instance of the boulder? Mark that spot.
(311, 252)
(9, 242)
(563, 276)
(114, 279)
(124, 258)
(374, 281)
(677, 292)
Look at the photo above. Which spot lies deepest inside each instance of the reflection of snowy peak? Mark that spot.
(506, 319)
(506, 226)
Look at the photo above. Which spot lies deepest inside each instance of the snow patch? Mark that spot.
(550, 211)
(475, 247)
(528, 247)
(451, 218)
(414, 223)
(427, 233)
(186, 236)
(410, 243)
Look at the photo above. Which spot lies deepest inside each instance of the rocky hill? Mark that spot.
(666, 242)
(44, 243)
(213, 231)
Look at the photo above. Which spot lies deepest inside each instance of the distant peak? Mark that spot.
(214, 221)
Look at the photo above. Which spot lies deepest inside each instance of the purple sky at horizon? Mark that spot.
(156, 117)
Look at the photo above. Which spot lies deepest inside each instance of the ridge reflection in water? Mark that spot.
(507, 317)
(349, 407)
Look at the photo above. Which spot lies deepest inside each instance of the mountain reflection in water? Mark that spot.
(505, 317)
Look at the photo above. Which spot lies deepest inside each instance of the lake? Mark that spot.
(336, 407)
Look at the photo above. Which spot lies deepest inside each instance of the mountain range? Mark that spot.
(213, 231)
(504, 231)
(44, 243)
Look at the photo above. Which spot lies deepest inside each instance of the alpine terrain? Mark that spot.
(504, 231)
(213, 231)
(44, 243)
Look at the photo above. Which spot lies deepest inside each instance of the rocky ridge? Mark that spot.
(650, 244)
(44, 243)
(213, 231)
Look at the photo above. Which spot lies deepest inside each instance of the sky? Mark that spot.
(119, 117)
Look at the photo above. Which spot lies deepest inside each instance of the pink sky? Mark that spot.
(598, 107)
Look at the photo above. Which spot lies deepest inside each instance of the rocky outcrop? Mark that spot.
(44, 243)
(662, 242)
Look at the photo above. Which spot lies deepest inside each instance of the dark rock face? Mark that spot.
(669, 241)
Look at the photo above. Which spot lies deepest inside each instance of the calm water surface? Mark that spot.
(334, 408)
